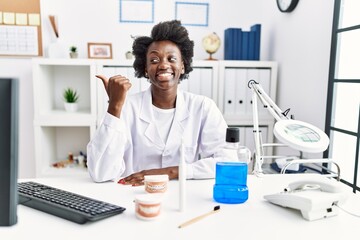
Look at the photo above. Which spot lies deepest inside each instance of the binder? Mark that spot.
(238, 49)
(240, 91)
(264, 79)
(232, 43)
(251, 47)
(252, 73)
(229, 91)
(242, 45)
(257, 29)
(245, 46)
(228, 44)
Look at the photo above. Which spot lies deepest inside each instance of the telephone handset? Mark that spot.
(314, 198)
(325, 186)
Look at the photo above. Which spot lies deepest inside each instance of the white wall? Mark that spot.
(299, 42)
(21, 69)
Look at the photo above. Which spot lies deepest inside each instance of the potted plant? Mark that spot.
(71, 98)
(73, 52)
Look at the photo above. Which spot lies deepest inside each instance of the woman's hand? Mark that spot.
(137, 179)
(116, 88)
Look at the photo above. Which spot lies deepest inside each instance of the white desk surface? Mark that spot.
(254, 219)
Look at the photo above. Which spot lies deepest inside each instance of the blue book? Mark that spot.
(228, 51)
(238, 43)
(232, 46)
(251, 45)
(244, 48)
(257, 29)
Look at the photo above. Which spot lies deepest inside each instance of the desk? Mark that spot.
(254, 219)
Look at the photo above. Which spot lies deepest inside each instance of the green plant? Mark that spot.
(70, 95)
(73, 49)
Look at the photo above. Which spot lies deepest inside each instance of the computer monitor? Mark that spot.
(9, 89)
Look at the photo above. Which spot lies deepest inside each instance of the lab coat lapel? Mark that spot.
(146, 114)
(181, 114)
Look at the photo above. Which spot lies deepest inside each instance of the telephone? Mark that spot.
(316, 199)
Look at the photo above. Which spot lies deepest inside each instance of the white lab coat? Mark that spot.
(132, 143)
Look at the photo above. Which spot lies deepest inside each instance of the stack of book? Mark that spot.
(242, 45)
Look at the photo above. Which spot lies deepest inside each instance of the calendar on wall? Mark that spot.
(20, 28)
(19, 40)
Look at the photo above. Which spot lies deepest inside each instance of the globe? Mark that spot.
(211, 44)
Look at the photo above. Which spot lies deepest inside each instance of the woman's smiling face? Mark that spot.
(164, 64)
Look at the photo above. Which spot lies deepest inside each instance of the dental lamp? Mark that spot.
(295, 134)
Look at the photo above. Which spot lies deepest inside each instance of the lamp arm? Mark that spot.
(276, 112)
(271, 106)
(257, 137)
(296, 134)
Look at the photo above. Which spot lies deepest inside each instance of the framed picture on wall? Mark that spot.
(139, 11)
(192, 13)
(99, 50)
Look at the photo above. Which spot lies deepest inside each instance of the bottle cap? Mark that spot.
(233, 134)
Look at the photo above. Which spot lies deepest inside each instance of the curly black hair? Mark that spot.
(169, 30)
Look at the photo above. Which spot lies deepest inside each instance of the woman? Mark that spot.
(141, 134)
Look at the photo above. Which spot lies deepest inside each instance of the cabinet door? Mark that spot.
(138, 84)
(229, 91)
(264, 80)
(200, 82)
(262, 76)
(206, 82)
(241, 90)
(237, 94)
(194, 81)
(250, 142)
(252, 74)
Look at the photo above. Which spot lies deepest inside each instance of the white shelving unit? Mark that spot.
(203, 79)
(58, 132)
(235, 97)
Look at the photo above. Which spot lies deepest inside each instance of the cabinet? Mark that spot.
(235, 97)
(58, 132)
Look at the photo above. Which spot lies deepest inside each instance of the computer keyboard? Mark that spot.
(64, 204)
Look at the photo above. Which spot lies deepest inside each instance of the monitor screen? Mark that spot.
(8, 150)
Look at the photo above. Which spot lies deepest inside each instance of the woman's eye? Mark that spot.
(172, 59)
(154, 60)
